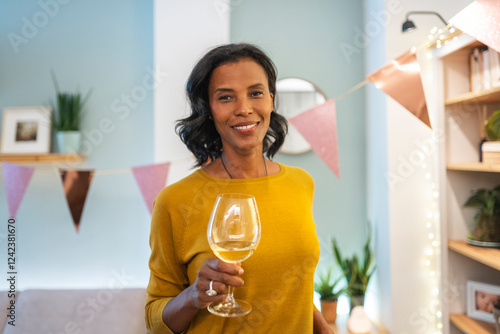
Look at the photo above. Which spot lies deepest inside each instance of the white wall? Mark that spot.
(409, 200)
(184, 31)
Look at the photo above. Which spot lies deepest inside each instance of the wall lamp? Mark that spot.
(409, 25)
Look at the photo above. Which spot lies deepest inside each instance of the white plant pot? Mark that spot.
(358, 321)
(68, 142)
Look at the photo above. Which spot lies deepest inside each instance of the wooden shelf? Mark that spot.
(53, 157)
(487, 96)
(468, 325)
(487, 256)
(474, 167)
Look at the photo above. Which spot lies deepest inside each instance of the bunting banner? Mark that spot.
(16, 179)
(400, 79)
(76, 186)
(481, 20)
(151, 180)
(318, 126)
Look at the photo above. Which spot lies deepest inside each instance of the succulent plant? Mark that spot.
(492, 126)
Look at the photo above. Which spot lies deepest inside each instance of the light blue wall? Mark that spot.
(377, 192)
(303, 38)
(101, 45)
(106, 46)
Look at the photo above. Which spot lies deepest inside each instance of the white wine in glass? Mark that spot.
(233, 234)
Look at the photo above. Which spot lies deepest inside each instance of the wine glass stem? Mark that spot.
(230, 297)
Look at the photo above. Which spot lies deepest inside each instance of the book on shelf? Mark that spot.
(484, 66)
(491, 152)
(491, 146)
(486, 69)
(476, 71)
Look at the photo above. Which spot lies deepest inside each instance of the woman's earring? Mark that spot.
(210, 117)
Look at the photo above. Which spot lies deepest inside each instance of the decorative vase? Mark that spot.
(68, 142)
(329, 310)
(356, 301)
(496, 315)
(358, 321)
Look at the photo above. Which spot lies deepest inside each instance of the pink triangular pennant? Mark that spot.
(400, 79)
(481, 20)
(76, 185)
(318, 126)
(151, 180)
(16, 179)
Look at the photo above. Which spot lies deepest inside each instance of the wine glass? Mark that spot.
(233, 234)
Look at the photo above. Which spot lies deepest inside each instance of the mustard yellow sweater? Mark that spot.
(278, 276)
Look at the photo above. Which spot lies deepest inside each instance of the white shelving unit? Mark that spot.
(460, 172)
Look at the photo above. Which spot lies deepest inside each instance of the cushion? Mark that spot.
(93, 311)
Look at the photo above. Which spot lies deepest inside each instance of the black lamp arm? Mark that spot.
(425, 13)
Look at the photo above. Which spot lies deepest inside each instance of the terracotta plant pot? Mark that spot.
(329, 311)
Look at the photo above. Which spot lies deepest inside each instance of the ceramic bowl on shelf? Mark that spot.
(484, 244)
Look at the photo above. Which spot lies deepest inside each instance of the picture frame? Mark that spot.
(26, 130)
(480, 300)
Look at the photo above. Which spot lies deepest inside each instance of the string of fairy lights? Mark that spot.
(432, 247)
(437, 38)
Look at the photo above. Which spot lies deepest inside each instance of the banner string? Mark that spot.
(425, 44)
(351, 90)
(98, 172)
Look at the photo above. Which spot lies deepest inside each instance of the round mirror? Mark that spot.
(295, 96)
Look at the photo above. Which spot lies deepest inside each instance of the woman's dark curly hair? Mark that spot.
(198, 131)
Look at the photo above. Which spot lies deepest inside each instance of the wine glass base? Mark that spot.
(230, 310)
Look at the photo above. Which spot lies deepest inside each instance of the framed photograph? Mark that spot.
(26, 130)
(480, 300)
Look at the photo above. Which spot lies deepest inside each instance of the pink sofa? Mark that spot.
(92, 311)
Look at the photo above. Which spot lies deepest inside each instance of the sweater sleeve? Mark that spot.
(168, 275)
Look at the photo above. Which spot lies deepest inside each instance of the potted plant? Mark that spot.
(329, 294)
(492, 126)
(490, 150)
(356, 271)
(67, 117)
(486, 231)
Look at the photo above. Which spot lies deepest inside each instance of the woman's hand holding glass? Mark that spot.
(233, 234)
(222, 275)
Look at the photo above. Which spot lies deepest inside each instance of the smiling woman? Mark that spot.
(241, 106)
(232, 128)
(198, 131)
